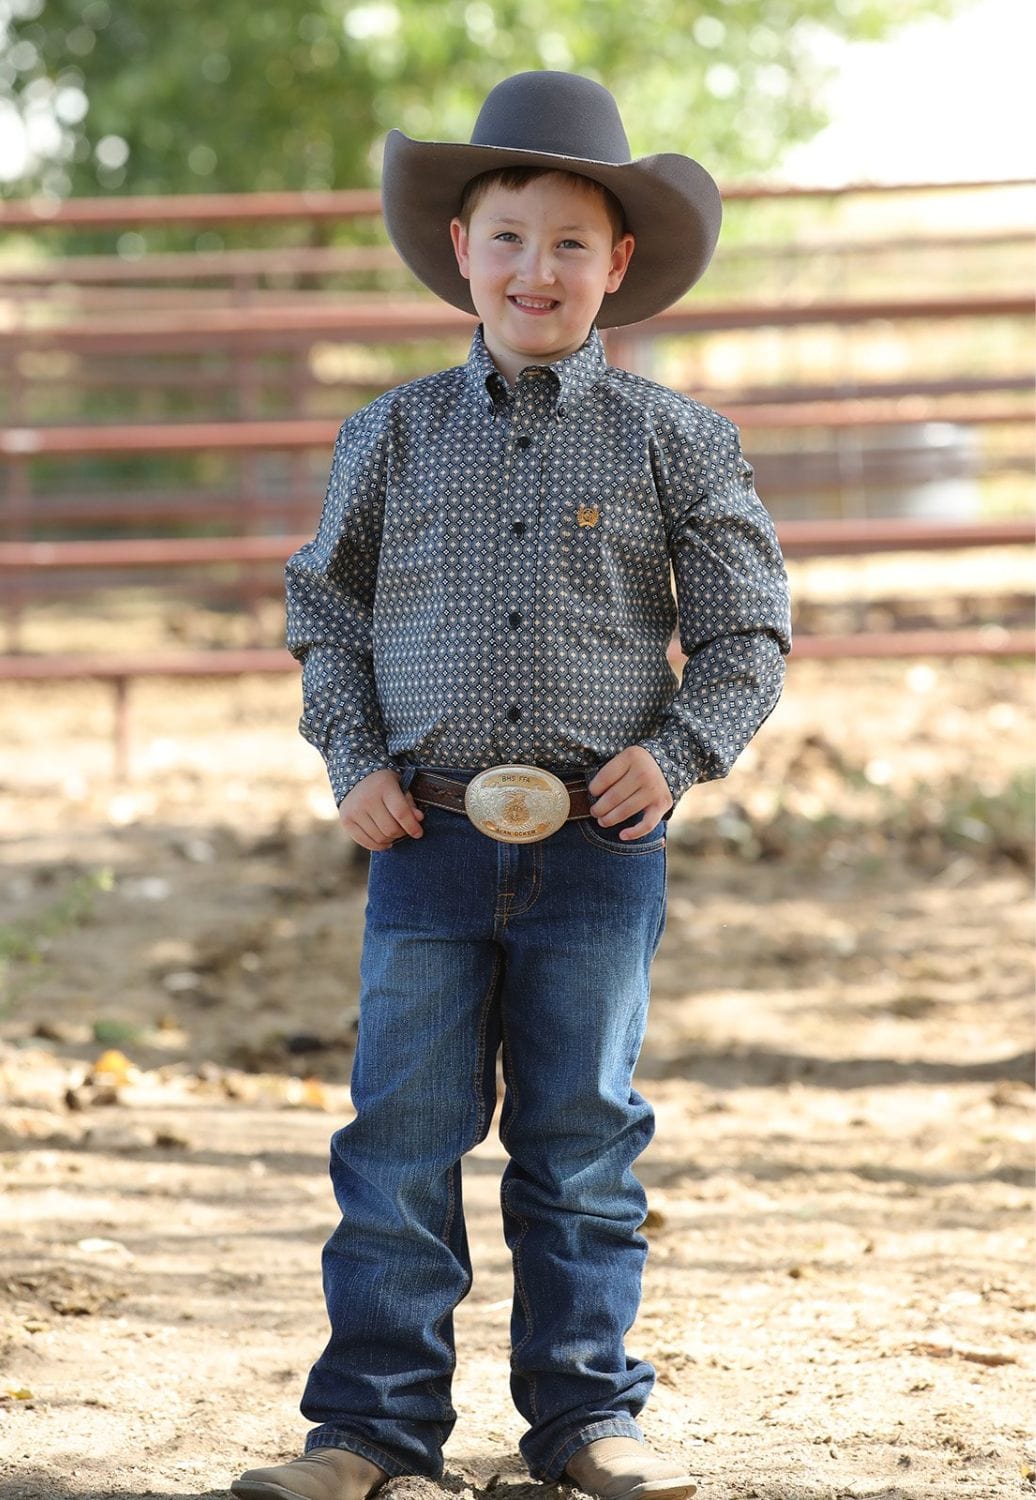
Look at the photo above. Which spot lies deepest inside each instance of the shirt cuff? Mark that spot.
(347, 766)
(679, 776)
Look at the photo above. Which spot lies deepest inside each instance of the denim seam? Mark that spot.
(519, 1279)
(505, 871)
(359, 1446)
(535, 883)
(660, 929)
(450, 1349)
(523, 1294)
(481, 1123)
(510, 1084)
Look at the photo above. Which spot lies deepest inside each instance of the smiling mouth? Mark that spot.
(534, 304)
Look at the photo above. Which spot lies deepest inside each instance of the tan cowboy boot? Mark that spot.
(620, 1468)
(324, 1474)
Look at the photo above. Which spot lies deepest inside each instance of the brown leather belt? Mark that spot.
(440, 791)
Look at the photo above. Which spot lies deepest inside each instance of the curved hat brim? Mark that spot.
(672, 207)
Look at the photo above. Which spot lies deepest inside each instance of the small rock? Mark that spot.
(182, 981)
(304, 1041)
(89, 1095)
(58, 1031)
(97, 1245)
(119, 1138)
(146, 888)
(196, 851)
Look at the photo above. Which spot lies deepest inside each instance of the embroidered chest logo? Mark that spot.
(588, 515)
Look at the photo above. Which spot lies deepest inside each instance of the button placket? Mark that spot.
(532, 402)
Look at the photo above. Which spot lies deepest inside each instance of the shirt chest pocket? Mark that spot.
(611, 545)
(412, 537)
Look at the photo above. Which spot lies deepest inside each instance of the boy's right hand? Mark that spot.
(377, 812)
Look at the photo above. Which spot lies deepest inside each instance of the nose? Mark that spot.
(537, 266)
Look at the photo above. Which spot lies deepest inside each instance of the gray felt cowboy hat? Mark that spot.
(570, 123)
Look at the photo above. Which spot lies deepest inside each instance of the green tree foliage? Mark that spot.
(160, 96)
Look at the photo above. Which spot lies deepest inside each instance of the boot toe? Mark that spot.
(625, 1469)
(325, 1474)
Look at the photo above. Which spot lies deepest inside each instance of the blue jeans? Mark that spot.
(472, 945)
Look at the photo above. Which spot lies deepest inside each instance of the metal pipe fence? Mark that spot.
(183, 391)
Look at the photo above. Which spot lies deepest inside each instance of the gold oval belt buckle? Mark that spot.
(517, 804)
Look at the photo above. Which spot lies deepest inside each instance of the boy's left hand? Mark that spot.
(631, 782)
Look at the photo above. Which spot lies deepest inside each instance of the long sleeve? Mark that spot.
(329, 586)
(490, 579)
(732, 602)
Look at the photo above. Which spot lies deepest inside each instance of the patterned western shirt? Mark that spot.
(491, 578)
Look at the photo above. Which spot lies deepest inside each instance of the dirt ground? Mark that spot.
(840, 1295)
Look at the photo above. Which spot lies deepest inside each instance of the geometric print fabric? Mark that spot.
(493, 578)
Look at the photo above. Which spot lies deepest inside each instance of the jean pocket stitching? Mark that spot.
(633, 846)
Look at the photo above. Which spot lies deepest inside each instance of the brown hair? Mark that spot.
(515, 178)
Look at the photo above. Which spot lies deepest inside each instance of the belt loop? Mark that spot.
(406, 776)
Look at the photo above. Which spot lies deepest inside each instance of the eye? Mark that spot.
(572, 245)
(506, 234)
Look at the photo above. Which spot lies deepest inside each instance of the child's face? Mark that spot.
(540, 261)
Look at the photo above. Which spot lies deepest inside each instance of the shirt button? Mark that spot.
(523, 441)
(514, 714)
(514, 619)
(518, 527)
(562, 411)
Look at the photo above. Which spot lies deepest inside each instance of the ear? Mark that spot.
(621, 256)
(459, 236)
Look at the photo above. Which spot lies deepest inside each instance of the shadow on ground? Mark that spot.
(45, 1487)
(41, 1486)
(762, 1067)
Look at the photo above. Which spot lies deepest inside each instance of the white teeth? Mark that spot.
(532, 302)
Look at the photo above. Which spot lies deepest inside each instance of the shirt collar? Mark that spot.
(574, 374)
(483, 379)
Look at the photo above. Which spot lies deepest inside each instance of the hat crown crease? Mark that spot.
(526, 113)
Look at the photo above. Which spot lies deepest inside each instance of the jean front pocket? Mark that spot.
(608, 838)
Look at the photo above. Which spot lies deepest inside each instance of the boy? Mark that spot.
(483, 620)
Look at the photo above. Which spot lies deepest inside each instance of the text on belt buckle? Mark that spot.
(517, 804)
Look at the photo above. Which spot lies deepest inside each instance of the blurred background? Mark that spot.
(195, 287)
(195, 290)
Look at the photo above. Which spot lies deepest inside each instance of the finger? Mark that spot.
(618, 786)
(367, 838)
(625, 798)
(651, 818)
(628, 808)
(405, 811)
(383, 821)
(370, 827)
(611, 772)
